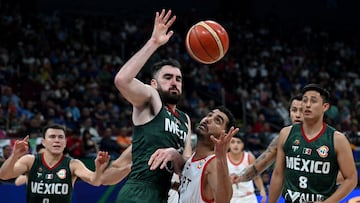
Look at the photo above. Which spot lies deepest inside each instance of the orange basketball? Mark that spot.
(207, 42)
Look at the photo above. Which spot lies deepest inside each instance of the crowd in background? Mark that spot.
(59, 68)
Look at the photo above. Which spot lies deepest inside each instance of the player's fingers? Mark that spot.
(167, 16)
(155, 164)
(153, 157)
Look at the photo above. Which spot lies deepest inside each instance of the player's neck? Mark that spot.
(312, 129)
(51, 159)
(236, 157)
(202, 151)
(172, 109)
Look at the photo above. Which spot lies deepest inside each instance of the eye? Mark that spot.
(217, 120)
(313, 100)
(179, 79)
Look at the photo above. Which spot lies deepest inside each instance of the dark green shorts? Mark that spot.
(144, 192)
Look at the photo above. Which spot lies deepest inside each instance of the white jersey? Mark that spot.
(173, 194)
(190, 181)
(243, 191)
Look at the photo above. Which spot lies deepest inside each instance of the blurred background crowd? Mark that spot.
(58, 67)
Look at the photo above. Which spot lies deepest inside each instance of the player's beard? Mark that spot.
(169, 98)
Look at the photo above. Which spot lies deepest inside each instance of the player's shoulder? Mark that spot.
(284, 133)
(285, 130)
(340, 137)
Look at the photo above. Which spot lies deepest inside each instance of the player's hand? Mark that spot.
(161, 157)
(21, 147)
(234, 178)
(102, 160)
(263, 196)
(163, 21)
(222, 143)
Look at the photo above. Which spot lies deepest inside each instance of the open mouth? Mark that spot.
(203, 126)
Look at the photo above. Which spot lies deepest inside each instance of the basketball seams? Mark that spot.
(201, 40)
(215, 36)
(194, 32)
(188, 47)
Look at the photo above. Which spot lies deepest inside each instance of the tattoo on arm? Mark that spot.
(255, 171)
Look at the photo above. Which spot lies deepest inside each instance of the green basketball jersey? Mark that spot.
(166, 130)
(311, 166)
(49, 185)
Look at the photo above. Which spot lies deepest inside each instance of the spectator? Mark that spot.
(8, 95)
(91, 148)
(74, 145)
(109, 144)
(124, 138)
(73, 109)
(6, 152)
(88, 125)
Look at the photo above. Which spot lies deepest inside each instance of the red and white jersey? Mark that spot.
(190, 189)
(241, 189)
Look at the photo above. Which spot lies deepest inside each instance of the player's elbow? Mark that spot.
(5, 175)
(121, 80)
(352, 179)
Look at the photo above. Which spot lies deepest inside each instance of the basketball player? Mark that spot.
(309, 156)
(158, 124)
(51, 175)
(205, 176)
(238, 159)
(267, 158)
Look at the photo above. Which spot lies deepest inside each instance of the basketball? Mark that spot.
(207, 42)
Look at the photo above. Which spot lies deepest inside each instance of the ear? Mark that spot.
(153, 83)
(326, 106)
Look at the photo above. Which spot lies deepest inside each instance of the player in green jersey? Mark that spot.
(51, 175)
(158, 124)
(267, 158)
(309, 156)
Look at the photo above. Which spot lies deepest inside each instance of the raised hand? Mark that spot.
(21, 147)
(161, 33)
(222, 144)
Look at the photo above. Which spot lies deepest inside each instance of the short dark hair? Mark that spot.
(295, 97)
(318, 88)
(158, 65)
(240, 136)
(6, 146)
(230, 116)
(53, 126)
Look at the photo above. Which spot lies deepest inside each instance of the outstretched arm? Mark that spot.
(118, 169)
(263, 162)
(136, 92)
(259, 182)
(17, 163)
(218, 177)
(93, 178)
